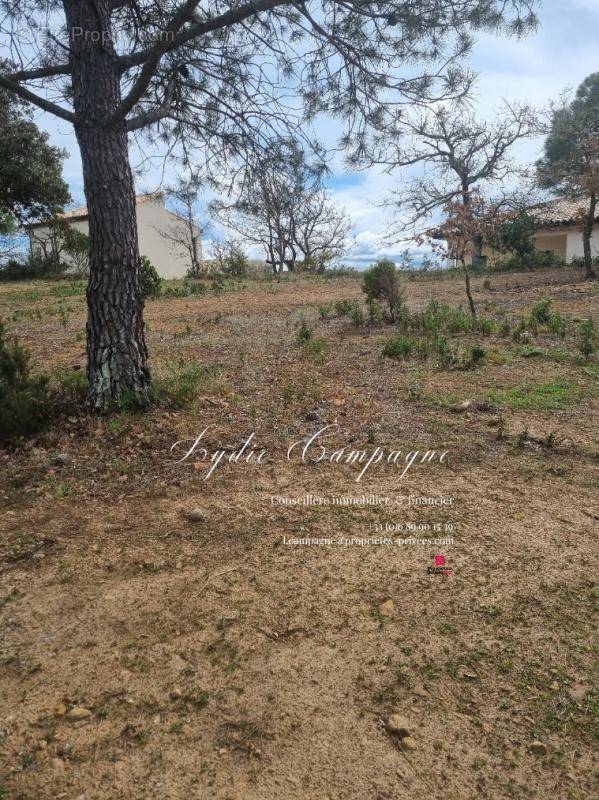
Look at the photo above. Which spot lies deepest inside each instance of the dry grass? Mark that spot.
(220, 662)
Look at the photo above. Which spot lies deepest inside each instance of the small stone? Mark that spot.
(420, 691)
(538, 748)
(312, 416)
(398, 725)
(176, 693)
(58, 765)
(408, 743)
(387, 609)
(60, 710)
(459, 408)
(78, 713)
(467, 674)
(554, 686)
(196, 515)
(61, 459)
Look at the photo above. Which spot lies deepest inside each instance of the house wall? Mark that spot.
(554, 241)
(575, 247)
(155, 228)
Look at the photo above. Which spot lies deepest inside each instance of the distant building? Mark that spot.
(560, 231)
(160, 233)
(561, 228)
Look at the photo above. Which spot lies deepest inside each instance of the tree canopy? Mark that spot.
(31, 183)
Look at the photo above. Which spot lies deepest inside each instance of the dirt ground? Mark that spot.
(145, 654)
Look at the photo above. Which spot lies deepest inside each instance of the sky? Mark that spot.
(563, 51)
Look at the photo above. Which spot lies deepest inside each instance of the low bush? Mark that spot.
(151, 282)
(24, 398)
(305, 332)
(381, 283)
(343, 308)
(587, 338)
(399, 347)
(541, 311)
(357, 316)
(315, 348)
(186, 289)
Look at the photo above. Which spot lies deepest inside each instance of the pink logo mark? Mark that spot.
(440, 561)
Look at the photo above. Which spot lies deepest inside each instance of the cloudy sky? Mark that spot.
(558, 56)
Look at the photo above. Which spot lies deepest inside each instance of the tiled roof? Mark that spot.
(562, 212)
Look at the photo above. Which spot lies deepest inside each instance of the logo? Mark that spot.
(440, 567)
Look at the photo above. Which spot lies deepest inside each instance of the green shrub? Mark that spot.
(505, 328)
(557, 325)
(236, 263)
(343, 308)
(541, 311)
(357, 316)
(448, 356)
(438, 317)
(24, 401)
(187, 289)
(314, 348)
(151, 282)
(381, 282)
(325, 310)
(587, 338)
(305, 332)
(475, 356)
(399, 347)
(375, 312)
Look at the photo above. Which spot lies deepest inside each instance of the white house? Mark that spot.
(161, 233)
(560, 230)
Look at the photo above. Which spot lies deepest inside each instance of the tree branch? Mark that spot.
(151, 58)
(45, 105)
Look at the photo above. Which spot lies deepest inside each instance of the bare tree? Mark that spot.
(282, 206)
(321, 230)
(186, 233)
(464, 158)
(222, 79)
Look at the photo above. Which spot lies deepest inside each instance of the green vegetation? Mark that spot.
(151, 282)
(587, 338)
(315, 348)
(381, 284)
(24, 398)
(399, 347)
(305, 332)
(184, 382)
(550, 396)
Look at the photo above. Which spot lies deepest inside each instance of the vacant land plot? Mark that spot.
(147, 654)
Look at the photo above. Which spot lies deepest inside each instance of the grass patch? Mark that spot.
(315, 348)
(551, 396)
(183, 383)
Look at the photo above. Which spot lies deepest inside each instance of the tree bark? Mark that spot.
(117, 357)
(468, 289)
(589, 272)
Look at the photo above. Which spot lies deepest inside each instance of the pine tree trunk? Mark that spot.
(117, 358)
(586, 239)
